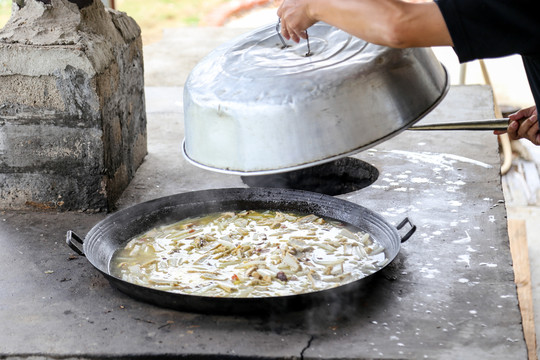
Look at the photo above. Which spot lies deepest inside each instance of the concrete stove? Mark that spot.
(449, 295)
(72, 118)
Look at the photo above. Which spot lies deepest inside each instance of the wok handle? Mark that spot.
(493, 124)
(410, 232)
(75, 242)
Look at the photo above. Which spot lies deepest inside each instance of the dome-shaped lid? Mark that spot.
(254, 106)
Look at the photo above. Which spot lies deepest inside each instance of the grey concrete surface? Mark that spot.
(511, 90)
(450, 293)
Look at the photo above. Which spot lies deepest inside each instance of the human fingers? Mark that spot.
(284, 12)
(512, 130)
(296, 35)
(517, 115)
(530, 111)
(522, 113)
(295, 38)
(280, 10)
(533, 133)
(282, 23)
(292, 32)
(524, 124)
(526, 127)
(300, 35)
(285, 31)
(295, 19)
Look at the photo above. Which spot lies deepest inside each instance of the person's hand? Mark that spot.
(524, 125)
(295, 19)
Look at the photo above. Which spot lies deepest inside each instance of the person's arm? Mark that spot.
(524, 125)
(392, 23)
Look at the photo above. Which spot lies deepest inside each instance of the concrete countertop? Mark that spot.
(449, 294)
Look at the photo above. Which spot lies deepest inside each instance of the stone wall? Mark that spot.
(72, 113)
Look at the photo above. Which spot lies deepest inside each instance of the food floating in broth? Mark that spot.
(249, 254)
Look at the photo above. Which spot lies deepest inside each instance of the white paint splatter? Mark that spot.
(465, 259)
(488, 265)
(463, 280)
(464, 240)
(420, 180)
(445, 161)
(430, 272)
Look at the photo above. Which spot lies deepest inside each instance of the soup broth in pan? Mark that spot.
(249, 254)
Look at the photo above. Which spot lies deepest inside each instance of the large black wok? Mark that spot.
(116, 230)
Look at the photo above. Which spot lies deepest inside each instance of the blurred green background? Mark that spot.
(5, 11)
(152, 16)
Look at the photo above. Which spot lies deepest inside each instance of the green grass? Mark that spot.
(152, 16)
(5, 12)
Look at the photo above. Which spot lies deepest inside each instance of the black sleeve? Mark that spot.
(492, 28)
(532, 68)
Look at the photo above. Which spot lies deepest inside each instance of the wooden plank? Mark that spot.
(517, 234)
(533, 180)
(519, 190)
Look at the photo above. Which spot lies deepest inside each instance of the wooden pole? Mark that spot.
(522, 277)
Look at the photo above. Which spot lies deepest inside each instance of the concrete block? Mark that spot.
(72, 111)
